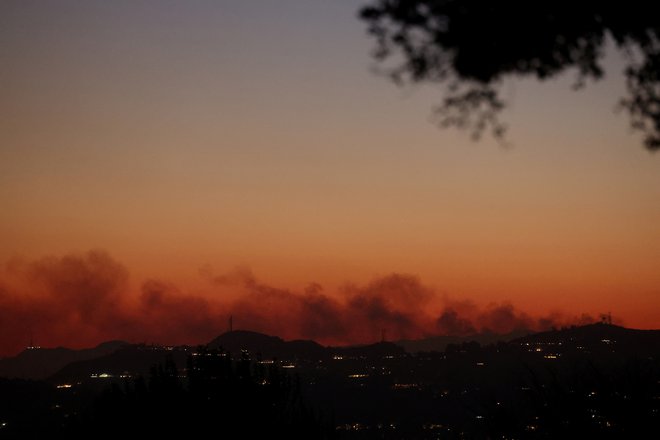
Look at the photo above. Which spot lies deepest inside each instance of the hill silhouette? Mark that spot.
(39, 363)
(594, 381)
(370, 351)
(268, 347)
(440, 343)
(599, 337)
(131, 360)
(117, 358)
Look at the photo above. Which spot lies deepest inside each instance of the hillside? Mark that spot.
(597, 338)
(39, 363)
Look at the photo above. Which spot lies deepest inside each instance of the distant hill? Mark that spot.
(267, 346)
(599, 338)
(130, 359)
(117, 357)
(39, 363)
(439, 343)
(370, 351)
(138, 359)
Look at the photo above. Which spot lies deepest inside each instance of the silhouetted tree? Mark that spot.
(471, 45)
(216, 397)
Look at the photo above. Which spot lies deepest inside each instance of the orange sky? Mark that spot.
(181, 136)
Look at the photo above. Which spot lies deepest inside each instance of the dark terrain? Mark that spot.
(598, 380)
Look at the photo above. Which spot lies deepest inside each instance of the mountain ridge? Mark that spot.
(118, 356)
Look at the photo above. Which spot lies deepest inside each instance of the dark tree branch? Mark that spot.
(470, 45)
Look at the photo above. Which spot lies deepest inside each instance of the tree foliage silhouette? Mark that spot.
(471, 45)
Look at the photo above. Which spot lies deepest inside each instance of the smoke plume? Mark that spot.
(81, 300)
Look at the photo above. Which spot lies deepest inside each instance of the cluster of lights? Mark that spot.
(360, 426)
(101, 376)
(405, 386)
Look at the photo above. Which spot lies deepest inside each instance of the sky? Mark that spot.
(179, 142)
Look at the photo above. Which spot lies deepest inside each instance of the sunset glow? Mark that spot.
(165, 165)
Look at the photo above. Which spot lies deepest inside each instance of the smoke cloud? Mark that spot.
(81, 300)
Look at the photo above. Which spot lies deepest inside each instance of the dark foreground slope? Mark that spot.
(598, 381)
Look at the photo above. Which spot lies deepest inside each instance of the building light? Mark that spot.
(351, 427)
(433, 426)
(64, 385)
(405, 386)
